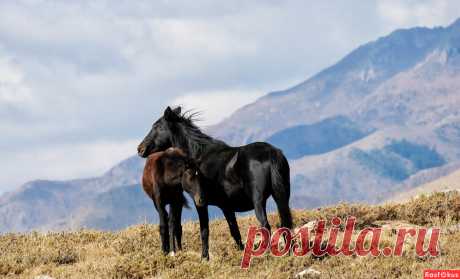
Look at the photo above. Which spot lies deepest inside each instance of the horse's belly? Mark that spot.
(243, 207)
(241, 203)
(234, 196)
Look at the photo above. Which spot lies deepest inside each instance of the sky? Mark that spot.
(82, 81)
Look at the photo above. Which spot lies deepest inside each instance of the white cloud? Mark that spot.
(12, 90)
(62, 161)
(188, 36)
(215, 106)
(408, 13)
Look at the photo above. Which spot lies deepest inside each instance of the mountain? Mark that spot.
(450, 182)
(382, 120)
(326, 135)
(52, 204)
(341, 88)
(358, 130)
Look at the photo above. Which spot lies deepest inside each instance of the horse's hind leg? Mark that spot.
(259, 187)
(261, 213)
(233, 226)
(282, 202)
(281, 188)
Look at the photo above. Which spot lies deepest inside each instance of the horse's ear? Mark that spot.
(177, 110)
(171, 115)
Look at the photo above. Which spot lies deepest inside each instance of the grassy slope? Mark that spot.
(134, 252)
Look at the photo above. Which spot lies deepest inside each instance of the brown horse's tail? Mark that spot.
(281, 186)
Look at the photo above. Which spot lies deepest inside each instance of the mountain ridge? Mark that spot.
(362, 64)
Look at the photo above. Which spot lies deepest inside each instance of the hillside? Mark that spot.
(135, 251)
(397, 101)
(303, 140)
(450, 182)
(354, 82)
(46, 204)
(112, 201)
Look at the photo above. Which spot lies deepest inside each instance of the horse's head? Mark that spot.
(192, 183)
(159, 137)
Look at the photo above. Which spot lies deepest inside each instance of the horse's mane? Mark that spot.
(191, 135)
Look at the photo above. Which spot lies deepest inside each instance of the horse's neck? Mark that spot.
(198, 153)
(196, 148)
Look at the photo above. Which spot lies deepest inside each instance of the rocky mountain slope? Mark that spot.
(54, 204)
(392, 110)
(450, 182)
(384, 119)
(355, 82)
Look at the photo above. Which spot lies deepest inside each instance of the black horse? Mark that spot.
(236, 179)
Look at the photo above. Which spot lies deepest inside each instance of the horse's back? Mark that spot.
(259, 150)
(239, 172)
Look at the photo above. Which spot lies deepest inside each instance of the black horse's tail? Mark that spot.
(281, 186)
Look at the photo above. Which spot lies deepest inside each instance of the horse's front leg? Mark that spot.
(178, 226)
(175, 227)
(171, 222)
(204, 231)
(164, 231)
(233, 226)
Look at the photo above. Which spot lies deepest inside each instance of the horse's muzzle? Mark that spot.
(141, 151)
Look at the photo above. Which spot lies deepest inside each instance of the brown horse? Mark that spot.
(162, 183)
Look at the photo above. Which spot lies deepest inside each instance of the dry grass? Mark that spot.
(135, 253)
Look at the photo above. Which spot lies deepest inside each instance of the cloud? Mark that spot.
(12, 91)
(85, 72)
(404, 14)
(213, 107)
(63, 161)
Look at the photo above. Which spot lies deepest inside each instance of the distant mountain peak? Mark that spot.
(455, 24)
(377, 60)
(127, 165)
(342, 86)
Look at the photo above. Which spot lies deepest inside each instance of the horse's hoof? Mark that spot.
(241, 247)
(172, 254)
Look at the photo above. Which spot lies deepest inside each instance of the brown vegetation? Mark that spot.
(135, 252)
